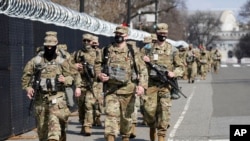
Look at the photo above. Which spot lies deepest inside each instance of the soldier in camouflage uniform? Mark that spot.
(137, 99)
(147, 45)
(44, 78)
(84, 60)
(182, 55)
(157, 100)
(191, 60)
(97, 87)
(216, 59)
(117, 75)
(203, 60)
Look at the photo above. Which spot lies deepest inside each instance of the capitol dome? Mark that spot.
(228, 21)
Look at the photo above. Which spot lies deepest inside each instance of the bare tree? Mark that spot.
(115, 11)
(245, 11)
(202, 28)
(244, 46)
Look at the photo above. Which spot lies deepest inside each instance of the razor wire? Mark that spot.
(51, 13)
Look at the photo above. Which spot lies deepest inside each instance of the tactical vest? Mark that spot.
(204, 57)
(88, 57)
(121, 65)
(49, 73)
(190, 57)
(162, 57)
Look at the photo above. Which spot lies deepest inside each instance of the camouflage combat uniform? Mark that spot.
(120, 99)
(50, 105)
(203, 60)
(157, 100)
(191, 61)
(216, 59)
(87, 101)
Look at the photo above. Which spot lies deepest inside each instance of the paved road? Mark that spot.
(206, 115)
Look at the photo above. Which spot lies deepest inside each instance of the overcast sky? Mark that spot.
(233, 5)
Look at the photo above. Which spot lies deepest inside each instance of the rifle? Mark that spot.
(166, 80)
(105, 70)
(36, 86)
(89, 75)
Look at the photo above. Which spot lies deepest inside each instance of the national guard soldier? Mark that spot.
(147, 45)
(203, 60)
(44, 78)
(84, 60)
(216, 59)
(61, 50)
(182, 55)
(97, 88)
(137, 98)
(157, 100)
(121, 65)
(191, 61)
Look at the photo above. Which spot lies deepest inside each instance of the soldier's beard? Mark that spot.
(49, 54)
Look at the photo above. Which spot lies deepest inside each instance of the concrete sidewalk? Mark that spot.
(74, 127)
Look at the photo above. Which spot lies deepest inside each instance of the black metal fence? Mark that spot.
(18, 41)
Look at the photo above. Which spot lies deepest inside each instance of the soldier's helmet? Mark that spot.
(162, 28)
(50, 38)
(121, 29)
(147, 39)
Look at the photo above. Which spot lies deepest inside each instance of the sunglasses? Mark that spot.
(86, 40)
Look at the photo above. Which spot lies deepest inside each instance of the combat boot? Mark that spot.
(133, 135)
(161, 138)
(87, 131)
(63, 137)
(82, 130)
(152, 134)
(52, 140)
(125, 139)
(110, 138)
(98, 121)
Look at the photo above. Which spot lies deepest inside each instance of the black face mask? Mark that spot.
(119, 39)
(50, 54)
(161, 38)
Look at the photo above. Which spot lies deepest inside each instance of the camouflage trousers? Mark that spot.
(136, 108)
(51, 117)
(215, 65)
(93, 108)
(203, 69)
(89, 106)
(81, 106)
(119, 109)
(192, 71)
(157, 105)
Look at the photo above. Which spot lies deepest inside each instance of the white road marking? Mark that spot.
(223, 65)
(180, 119)
(236, 65)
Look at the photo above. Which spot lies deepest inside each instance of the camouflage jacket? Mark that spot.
(167, 57)
(122, 58)
(48, 70)
(88, 56)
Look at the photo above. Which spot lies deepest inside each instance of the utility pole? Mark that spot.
(82, 3)
(128, 12)
(156, 13)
